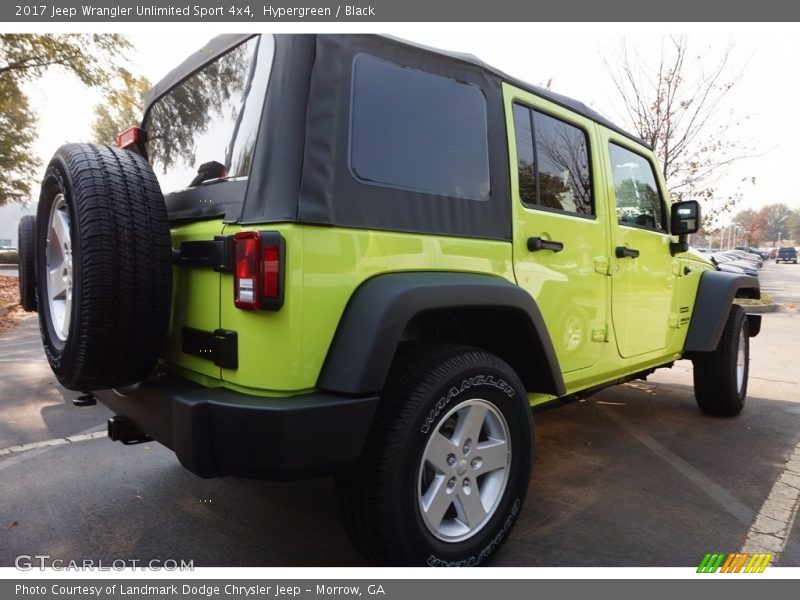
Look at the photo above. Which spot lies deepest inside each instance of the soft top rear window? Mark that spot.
(205, 128)
(418, 131)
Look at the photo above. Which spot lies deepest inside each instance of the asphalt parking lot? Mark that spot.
(634, 476)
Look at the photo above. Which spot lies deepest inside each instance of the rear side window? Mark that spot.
(418, 131)
(212, 116)
(638, 200)
(552, 163)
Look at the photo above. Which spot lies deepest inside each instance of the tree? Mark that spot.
(793, 225)
(683, 117)
(92, 58)
(776, 217)
(763, 226)
(17, 134)
(122, 108)
(754, 223)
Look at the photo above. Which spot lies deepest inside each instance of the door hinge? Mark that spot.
(602, 265)
(216, 253)
(219, 346)
(600, 334)
(674, 321)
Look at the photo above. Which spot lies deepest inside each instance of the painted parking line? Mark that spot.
(54, 442)
(773, 523)
(35, 343)
(738, 509)
(770, 527)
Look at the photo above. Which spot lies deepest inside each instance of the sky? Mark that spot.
(571, 56)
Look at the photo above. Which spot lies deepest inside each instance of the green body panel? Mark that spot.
(282, 352)
(608, 318)
(270, 342)
(692, 265)
(195, 301)
(571, 286)
(644, 293)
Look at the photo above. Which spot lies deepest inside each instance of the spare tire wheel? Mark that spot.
(26, 234)
(103, 267)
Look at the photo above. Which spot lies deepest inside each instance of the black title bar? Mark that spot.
(378, 11)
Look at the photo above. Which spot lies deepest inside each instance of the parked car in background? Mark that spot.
(752, 254)
(786, 255)
(732, 262)
(748, 256)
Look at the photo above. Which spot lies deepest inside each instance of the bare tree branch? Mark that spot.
(681, 113)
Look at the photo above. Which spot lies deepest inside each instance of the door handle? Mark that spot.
(536, 243)
(625, 252)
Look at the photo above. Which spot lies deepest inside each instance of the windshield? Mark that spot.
(205, 127)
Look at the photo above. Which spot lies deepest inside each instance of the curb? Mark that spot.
(761, 308)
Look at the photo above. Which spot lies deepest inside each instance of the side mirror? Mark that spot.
(684, 219)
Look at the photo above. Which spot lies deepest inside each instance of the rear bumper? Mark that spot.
(216, 431)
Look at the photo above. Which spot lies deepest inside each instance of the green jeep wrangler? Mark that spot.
(354, 256)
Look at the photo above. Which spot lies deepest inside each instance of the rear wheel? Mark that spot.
(720, 377)
(103, 267)
(27, 274)
(444, 473)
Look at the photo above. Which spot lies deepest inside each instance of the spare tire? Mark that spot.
(26, 234)
(104, 274)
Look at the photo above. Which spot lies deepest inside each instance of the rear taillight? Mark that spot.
(130, 138)
(258, 270)
(246, 281)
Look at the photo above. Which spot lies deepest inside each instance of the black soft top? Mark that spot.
(222, 43)
(301, 170)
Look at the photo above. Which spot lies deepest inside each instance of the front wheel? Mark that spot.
(720, 377)
(445, 470)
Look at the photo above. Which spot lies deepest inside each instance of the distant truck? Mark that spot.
(786, 255)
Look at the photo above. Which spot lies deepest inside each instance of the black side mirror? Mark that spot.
(685, 219)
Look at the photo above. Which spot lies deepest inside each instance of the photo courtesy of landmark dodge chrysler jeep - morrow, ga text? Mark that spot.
(354, 256)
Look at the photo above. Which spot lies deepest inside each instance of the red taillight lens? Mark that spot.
(247, 285)
(271, 270)
(258, 270)
(130, 138)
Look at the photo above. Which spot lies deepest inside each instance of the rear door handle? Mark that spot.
(536, 243)
(625, 252)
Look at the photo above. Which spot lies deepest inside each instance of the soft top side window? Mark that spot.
(418, 131)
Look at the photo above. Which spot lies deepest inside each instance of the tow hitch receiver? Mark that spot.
(120, 429)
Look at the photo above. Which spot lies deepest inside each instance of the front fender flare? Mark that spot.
(712, 305)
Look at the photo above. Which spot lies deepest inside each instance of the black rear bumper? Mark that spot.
(216, 431)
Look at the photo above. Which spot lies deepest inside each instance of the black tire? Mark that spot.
(120, 258)
(27, 273)
(380, 496)
(718, 387)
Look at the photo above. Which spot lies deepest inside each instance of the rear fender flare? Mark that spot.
(379, 311)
